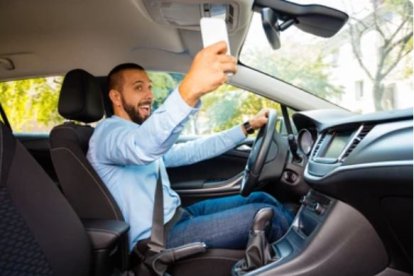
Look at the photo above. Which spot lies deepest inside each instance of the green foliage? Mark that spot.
(220, 110)
(162, 85)
(311, 72)
(31, 104)
(229, 106)
(403, 7)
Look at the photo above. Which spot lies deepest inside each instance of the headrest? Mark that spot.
(81, 97)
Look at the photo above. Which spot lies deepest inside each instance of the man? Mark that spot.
(130, 148)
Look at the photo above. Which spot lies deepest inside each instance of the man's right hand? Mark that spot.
(208, 71)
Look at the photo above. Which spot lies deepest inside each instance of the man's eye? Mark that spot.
(138, 88)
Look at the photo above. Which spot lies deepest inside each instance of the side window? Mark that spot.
(163, 84)
(31, 104)
(226, 107)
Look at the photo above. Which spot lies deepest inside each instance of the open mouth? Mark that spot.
(145, 109)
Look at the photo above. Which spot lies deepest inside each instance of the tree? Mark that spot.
(224, 108)
(31, 104)
(163, 84)
(290, 65)
(229, 106)
(392, 20)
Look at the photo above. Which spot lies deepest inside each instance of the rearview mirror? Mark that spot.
(279, 15)
(269, 21)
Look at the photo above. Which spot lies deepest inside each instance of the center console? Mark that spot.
(326, 236)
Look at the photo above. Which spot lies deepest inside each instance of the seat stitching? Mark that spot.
(103, 231)
(94, 180)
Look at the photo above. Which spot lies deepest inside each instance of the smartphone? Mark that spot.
(214, 29)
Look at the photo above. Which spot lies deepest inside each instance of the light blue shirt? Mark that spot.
(127, 156)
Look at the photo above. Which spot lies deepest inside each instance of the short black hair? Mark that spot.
(114, 81)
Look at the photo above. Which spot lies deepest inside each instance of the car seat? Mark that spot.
(40, 233)
(80, 102)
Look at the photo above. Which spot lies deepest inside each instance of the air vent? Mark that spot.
(362, 132)
(318, 145)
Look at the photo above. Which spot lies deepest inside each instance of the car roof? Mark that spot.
(48, 37)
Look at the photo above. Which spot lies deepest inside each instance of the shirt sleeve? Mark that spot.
(203, 148)
(141, 144)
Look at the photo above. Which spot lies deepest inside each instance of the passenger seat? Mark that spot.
(40, 234)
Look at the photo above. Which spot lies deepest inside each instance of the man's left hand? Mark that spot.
(259, 120)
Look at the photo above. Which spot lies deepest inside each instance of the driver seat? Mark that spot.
(81, 100)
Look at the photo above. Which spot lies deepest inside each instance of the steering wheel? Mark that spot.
(258, 154)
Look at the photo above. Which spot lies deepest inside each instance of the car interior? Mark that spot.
(347, 176)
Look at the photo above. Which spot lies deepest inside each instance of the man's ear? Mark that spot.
(115, 97)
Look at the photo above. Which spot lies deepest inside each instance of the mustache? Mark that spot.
(145, 102)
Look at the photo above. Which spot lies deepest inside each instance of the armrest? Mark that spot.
(104, 233)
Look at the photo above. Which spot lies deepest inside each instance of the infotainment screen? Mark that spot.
(337, 144)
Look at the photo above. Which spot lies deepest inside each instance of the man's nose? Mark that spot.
(148, 93)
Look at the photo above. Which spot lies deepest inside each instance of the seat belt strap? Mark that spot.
(156, 243)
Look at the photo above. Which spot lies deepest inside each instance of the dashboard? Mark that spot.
(354, 141)
(367, 162)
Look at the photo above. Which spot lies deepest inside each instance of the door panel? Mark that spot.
(213, 177)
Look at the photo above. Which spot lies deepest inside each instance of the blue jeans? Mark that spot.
(225, 222)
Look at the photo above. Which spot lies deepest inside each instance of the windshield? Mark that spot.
(367, 66)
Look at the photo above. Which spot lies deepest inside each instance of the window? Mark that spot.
(375, 41)
(220, 110)
(31, 104)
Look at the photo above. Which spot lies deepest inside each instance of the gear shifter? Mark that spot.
(258, 252)
(262, 219)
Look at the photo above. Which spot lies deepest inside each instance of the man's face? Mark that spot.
(136, 95)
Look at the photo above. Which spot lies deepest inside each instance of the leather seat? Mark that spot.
(80, 102)
(40, 234)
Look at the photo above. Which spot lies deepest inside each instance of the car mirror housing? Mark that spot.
(279, 15)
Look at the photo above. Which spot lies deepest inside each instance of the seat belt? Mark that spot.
(156, 243)
(157, 258)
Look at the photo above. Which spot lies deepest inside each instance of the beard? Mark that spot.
(134, 111)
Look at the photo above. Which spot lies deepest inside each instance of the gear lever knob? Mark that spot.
(262, 219)
(258, 251)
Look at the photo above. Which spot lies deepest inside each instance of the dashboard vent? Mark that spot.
(362, 132)
(318, 145)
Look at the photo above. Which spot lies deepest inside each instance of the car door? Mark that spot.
(214, 177)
